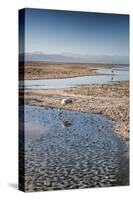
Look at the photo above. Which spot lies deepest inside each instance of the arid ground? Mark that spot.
(111, 100)
(78, 145)
(46, 70)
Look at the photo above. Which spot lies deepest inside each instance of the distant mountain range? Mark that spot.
(70, 57)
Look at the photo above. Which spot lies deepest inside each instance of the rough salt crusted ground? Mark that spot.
(111, 100)
(87, 153)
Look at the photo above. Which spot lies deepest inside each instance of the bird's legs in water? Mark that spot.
(62, 117)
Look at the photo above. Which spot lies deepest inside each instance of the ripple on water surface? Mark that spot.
(66, 149)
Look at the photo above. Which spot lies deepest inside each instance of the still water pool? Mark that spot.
(68, 149)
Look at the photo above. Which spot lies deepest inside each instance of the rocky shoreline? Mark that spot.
(111, 100)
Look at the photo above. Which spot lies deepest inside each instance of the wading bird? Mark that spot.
(66, 101)
(62, 117)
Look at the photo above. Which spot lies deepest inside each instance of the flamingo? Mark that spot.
(66, 101)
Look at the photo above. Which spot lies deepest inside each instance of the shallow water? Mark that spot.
(114, 74)
(122, 72)
(66, 149)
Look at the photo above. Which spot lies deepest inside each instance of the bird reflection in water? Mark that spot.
(65, 124)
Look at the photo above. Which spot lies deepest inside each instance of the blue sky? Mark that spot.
(94, 34)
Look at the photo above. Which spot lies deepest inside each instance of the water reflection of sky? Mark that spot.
(84, 152)
(114, 74)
